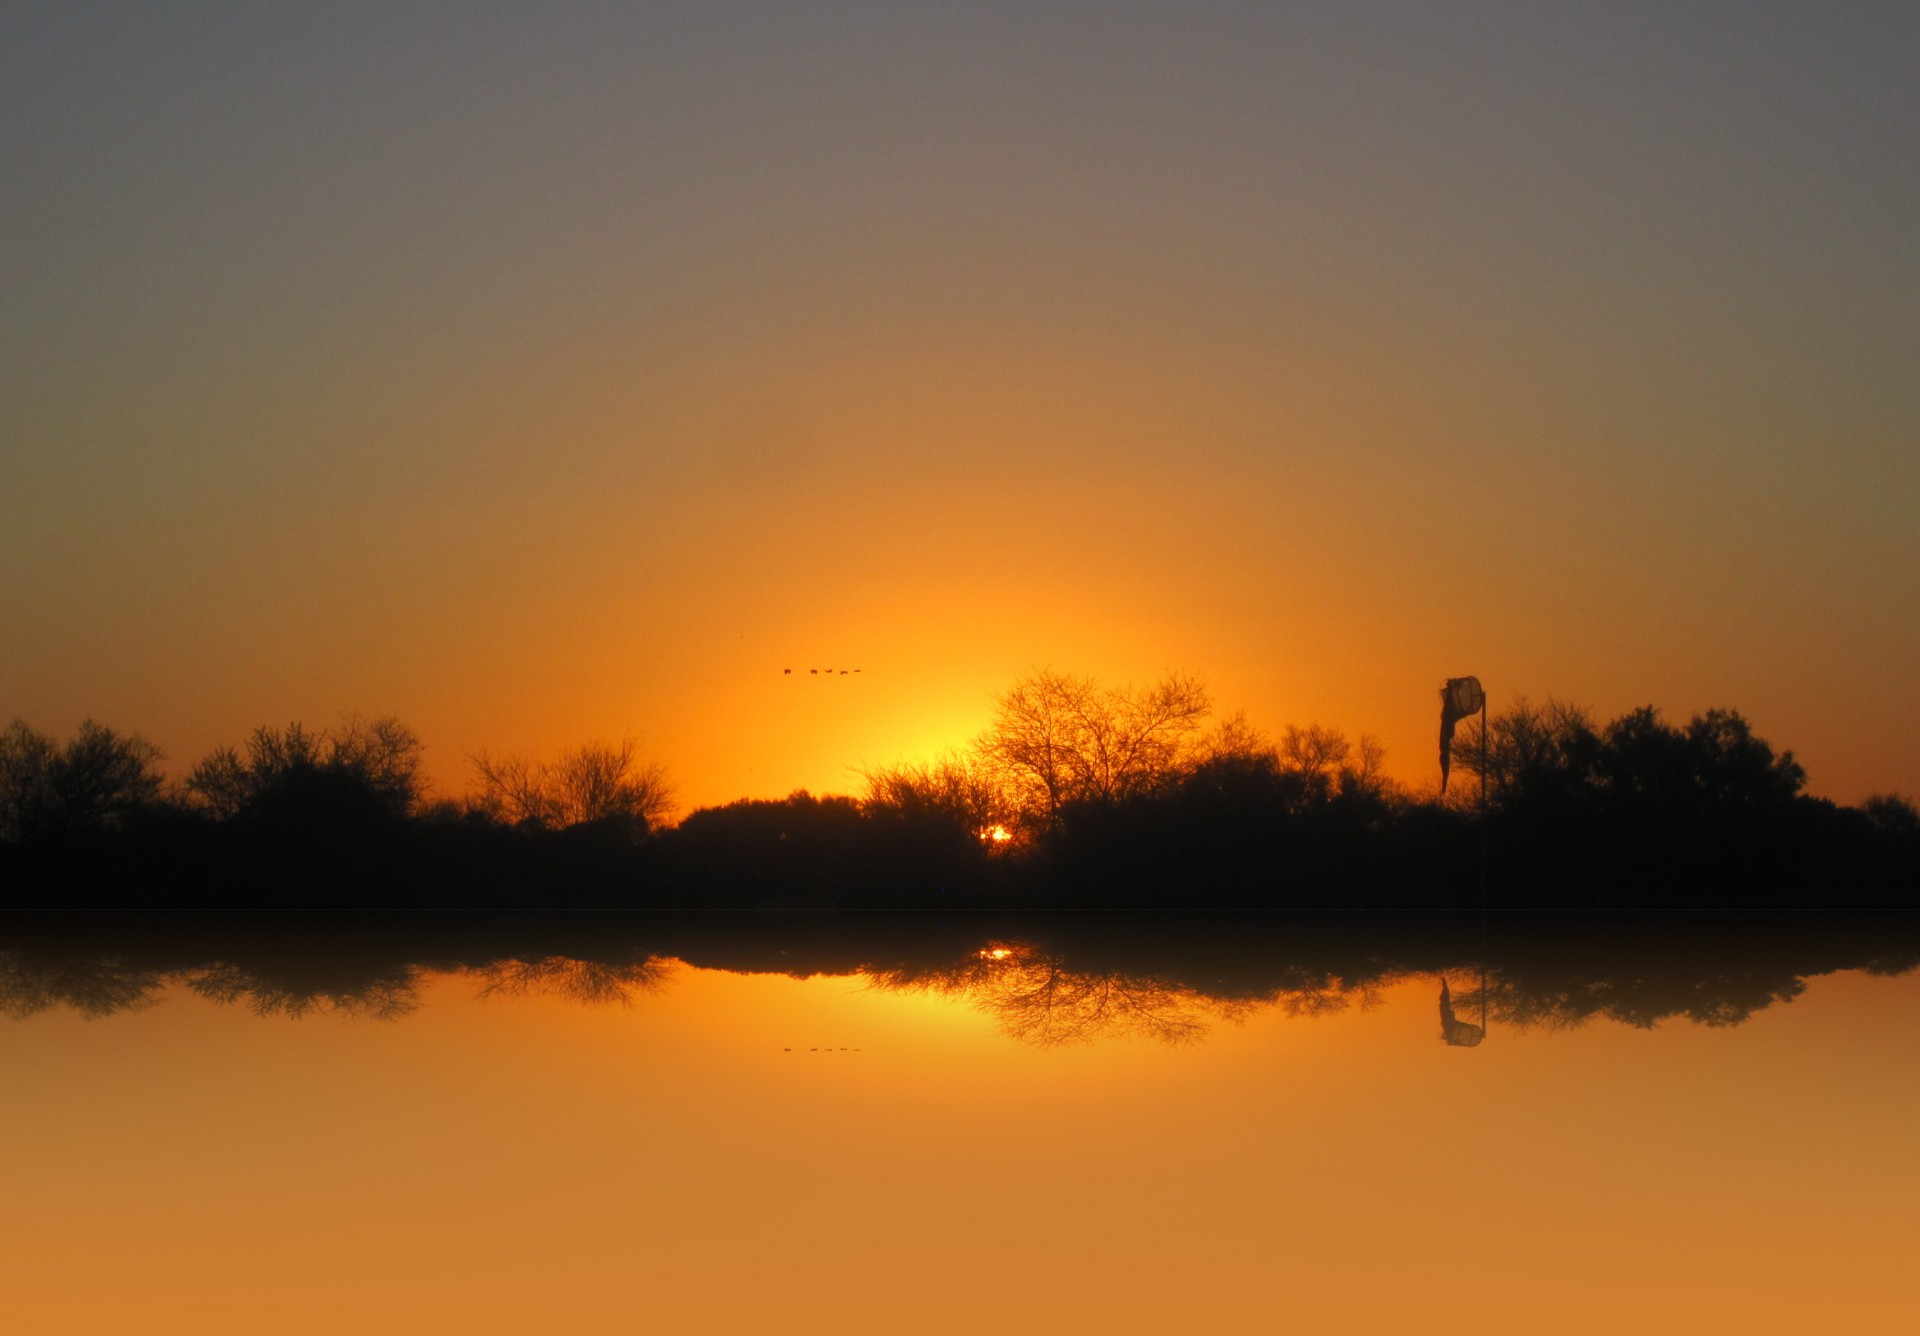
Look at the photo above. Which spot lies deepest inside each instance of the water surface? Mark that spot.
(944, 1126)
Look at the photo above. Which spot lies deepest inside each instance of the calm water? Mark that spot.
(862, 1126)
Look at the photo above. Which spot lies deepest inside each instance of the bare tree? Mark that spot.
(514, 789)
(379, 758)
(961, 789)
(1373, 759)
(384, 754)
(1234, 738)
(593, 782)
(598, 780)
(1057, 738)
(1524, 740)
(1313, 750)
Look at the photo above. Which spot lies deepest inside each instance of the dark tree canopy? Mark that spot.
(371, 769)
(95, 781)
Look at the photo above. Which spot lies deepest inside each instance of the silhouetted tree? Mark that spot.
(1233, 737)
(1553, 752)
(1059, 739)
(94, 782)
(1324, 765)
(373, 767)
(1713, 765)
(1529, 749)
(1892, 814)
(597, 782)
(1315, 754)
(958, 792)
(800, 851)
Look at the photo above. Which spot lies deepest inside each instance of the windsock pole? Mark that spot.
(1483, 862)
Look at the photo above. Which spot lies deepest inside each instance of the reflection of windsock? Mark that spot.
(1453, 1030)
(1460, 697)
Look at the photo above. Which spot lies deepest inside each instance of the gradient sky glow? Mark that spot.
(542, 373)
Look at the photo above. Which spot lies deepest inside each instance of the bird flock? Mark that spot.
(830, 672)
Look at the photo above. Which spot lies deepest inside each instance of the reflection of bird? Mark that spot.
(1453, 1030)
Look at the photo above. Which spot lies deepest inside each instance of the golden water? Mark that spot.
(668, 1148)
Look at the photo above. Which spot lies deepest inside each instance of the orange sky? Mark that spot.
(540, 380)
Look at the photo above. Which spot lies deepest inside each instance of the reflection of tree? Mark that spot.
(386, 998)
(1309, 995)
(1048, 979)
(590, 982)
(1043, 996)
(1039, 1001)
(1723, 997)
(93, 987)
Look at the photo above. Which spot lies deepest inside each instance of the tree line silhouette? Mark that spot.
(1077, 795)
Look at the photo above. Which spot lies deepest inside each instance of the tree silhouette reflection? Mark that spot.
(384, 998)
(593, 983)
(30, 984)
(1038, 1001)
(1724, 997)
(1047, 980)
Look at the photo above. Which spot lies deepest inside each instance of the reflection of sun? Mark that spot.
(996, 834)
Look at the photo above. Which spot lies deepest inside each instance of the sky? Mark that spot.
(551, 374)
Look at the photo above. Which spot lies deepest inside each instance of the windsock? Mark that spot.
(1459, 698)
